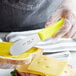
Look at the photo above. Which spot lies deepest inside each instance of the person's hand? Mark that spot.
(68, 29)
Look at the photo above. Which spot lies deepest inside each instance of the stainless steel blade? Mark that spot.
(24, 44)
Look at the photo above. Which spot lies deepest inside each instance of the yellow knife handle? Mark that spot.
(50, 31)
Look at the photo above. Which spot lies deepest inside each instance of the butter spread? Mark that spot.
(5, 51)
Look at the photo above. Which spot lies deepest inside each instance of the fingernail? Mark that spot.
(59, 19)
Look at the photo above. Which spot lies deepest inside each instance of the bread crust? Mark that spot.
(14, 61)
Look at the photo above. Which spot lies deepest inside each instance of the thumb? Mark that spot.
(55, 17)
(65, 28)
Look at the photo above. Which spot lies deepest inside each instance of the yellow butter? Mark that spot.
(48, 66)
(5, 50)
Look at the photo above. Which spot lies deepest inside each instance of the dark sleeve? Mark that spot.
(21, 15)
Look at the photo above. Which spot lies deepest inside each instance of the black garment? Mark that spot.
(21, 15)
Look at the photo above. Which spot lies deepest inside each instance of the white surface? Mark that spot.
(73, 60)
(6, 72)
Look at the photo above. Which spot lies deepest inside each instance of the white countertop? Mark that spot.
(73, 60)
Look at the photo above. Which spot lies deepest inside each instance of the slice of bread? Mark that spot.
(6, 58)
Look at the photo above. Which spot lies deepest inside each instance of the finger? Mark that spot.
(65, 12)
(74, 35)
(65, 28)
(54, 18)
(67, 24)
(71, 32)
(71, 18)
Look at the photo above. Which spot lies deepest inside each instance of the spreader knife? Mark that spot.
(23, 45)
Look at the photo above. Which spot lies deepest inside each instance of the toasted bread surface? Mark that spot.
(25, 58)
